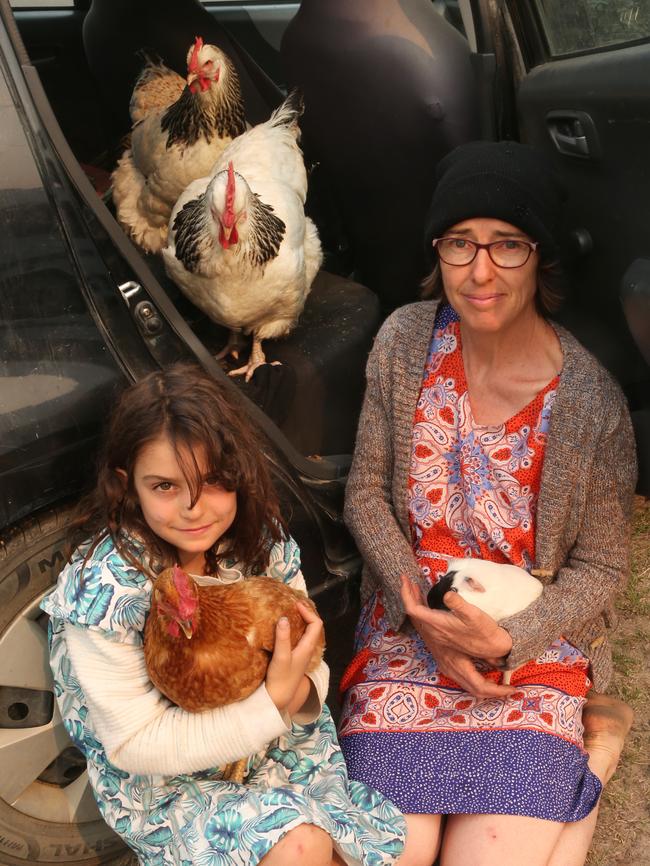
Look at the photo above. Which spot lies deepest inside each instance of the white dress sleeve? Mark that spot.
(143, 732)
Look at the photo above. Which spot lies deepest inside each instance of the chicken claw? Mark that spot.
(232, 347)
(235, 772)
(257, 359)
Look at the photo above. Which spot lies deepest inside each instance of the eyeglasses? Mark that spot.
(507, 253)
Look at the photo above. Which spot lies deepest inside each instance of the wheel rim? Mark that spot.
(43, 773)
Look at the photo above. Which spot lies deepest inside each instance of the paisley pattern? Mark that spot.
(200, 819)
(472, 492)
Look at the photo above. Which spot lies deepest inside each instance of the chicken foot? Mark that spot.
(235, 771)
(232, 347)
(257, 359)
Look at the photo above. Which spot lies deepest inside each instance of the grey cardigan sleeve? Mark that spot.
(597, 564)
(369, 508)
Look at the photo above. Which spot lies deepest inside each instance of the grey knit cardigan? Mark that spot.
(584, 505)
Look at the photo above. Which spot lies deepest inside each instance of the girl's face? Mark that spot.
(486, 297)
(165, 497)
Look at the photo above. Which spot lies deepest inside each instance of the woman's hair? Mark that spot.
(197, 414)
(548, 297)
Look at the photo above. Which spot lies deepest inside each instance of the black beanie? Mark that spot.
(501, 180)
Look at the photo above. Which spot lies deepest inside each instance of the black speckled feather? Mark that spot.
(193, 116)
(267, 231)
(190, 226)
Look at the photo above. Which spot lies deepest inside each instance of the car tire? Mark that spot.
(47, 813)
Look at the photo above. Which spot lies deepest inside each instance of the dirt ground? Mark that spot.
(623, 833)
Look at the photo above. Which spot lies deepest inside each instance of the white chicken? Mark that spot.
(180, 129)
(240, 246)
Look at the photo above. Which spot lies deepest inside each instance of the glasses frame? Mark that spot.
(532, 247)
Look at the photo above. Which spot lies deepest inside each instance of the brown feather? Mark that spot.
(156, 88)
(233, 634)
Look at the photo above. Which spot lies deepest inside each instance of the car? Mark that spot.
(83, 312)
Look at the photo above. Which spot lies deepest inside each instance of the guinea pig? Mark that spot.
(497, 589)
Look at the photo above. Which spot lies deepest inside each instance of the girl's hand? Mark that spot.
(463, 628)
(286, 683)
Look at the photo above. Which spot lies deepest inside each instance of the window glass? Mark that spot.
(41, 4)
(581, 25)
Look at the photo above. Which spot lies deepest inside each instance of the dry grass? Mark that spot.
(623, 833)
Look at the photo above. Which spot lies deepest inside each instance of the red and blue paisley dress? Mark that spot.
(408, 730)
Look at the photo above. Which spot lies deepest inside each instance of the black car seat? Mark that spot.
(315, 396)
(116, 31)
(389, 89)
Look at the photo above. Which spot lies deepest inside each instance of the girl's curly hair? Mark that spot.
(197, 414)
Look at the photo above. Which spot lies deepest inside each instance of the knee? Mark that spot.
(305, 845)
(422, 840)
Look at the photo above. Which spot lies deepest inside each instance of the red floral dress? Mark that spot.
(408, 730)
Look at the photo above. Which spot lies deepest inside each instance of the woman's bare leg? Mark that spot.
(498, 840)
(422, 840)
(607, 722)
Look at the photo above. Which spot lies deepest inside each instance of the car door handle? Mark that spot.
(573, 134)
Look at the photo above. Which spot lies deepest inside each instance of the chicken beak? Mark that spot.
(196, 82)
(186, 626)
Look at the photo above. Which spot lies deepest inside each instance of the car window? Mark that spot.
(41, 4)
(584, 25)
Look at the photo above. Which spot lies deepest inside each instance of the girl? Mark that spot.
(182, 479)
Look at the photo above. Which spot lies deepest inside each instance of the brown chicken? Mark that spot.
(209, 645)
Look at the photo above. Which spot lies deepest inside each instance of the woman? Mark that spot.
(489, 432)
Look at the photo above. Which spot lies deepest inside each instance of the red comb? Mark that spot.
(186, 601)
(229, 214)
(193, 65)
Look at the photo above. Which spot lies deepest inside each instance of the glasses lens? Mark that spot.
(509, 254)
(456, 251)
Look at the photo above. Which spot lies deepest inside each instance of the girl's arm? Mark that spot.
(320, 678)
(142, 732)
(369, 511)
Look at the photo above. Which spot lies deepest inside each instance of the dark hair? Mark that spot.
(195, 411)
(548, 297)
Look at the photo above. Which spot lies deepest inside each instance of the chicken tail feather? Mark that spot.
(288, 113)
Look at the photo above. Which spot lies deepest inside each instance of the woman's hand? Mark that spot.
(454, 638)
(460, 668)
(286, 683)
(464, 627)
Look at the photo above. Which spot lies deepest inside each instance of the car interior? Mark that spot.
(88, 61)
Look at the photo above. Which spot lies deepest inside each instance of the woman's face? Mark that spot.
(486, 297)
(165, 499)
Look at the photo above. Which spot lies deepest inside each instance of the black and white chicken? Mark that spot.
(240, 246)
(181, 127)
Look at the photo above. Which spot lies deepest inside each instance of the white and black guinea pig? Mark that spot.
(498, 590)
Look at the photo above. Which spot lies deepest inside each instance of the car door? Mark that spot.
(583, 97)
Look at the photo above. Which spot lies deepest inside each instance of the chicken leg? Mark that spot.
(232, 347)
(257, 359)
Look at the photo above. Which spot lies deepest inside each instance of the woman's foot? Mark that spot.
(607, 722)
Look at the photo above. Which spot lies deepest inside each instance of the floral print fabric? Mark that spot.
(406, 728)
(199, 818)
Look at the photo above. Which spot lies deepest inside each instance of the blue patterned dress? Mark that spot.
(199, 818)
